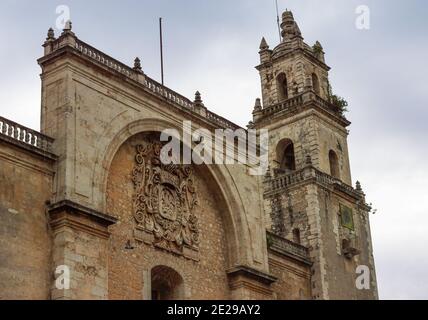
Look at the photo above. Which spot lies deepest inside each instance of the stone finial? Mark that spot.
(318, 45)
(308, 160)
(198, 99)
(68, 26)
(318, 51)
(257, 105)
(289, 27)
(263, 44)
(137, 64)
(358, 186)
(51, 34)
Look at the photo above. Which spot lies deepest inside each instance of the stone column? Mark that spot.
(80, 246)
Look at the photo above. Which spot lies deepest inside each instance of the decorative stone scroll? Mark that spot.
(164, 202)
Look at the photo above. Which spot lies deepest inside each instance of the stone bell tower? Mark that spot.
(309, 198)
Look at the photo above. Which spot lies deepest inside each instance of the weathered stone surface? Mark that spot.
(25, 242)
(85, 194)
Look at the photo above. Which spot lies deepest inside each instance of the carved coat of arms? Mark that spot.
(164, 201)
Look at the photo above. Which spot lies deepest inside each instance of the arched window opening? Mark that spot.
(296, 236)
(315, 83)
(282, 87)
(167, 284)
(334, 164)
(285, 155)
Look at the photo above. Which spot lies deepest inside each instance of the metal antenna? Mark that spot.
(277, 20)
(161, 49)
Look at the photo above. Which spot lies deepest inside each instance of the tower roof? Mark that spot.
(289, 27)
(263, 44)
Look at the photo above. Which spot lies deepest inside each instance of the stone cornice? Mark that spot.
(251, 273)
(75, 208)
(292, 52)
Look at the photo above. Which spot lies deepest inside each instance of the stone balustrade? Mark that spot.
(23, 135)
(287, 104)
(167, 93)
(224, 122)
(327, 179)
(282, 181)
(285, 246)
(285, 180)
(152, 85)
(325, 104)
(300, 100)
(101, 57)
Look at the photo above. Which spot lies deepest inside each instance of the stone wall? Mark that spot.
(25, 242)
(341, 271)
(204, 274)
(294, 278)
(91, 109)
(298, 71)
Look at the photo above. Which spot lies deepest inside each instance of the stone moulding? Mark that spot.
(251, 273)
(67, 213)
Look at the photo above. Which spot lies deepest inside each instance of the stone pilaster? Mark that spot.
(80, 246)
(249, 284)
(318, 280)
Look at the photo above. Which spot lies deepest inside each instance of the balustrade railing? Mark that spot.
(25, 135)
(167, 93)
(287, 104)
(282, 181)
(275, 241)
(101, 57)
(328, 179)
(149, 83)
(299, 100)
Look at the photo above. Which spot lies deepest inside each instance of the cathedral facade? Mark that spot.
(89, 210)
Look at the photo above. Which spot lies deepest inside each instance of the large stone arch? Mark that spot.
(234, 217)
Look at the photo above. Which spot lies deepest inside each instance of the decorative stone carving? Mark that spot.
(349, 248)
(164, 202)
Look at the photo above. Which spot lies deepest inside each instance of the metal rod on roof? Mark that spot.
(277, 20)
(161, 49)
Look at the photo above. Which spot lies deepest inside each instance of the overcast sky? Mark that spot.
(212, 46)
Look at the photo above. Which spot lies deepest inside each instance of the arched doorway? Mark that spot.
(316, 83)
(334, 164)
(282, 87)
(166, 284)
(285, 155)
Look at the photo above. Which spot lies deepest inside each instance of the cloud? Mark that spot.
(212, 46)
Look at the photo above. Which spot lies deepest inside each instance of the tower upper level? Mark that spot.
(292, 67)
